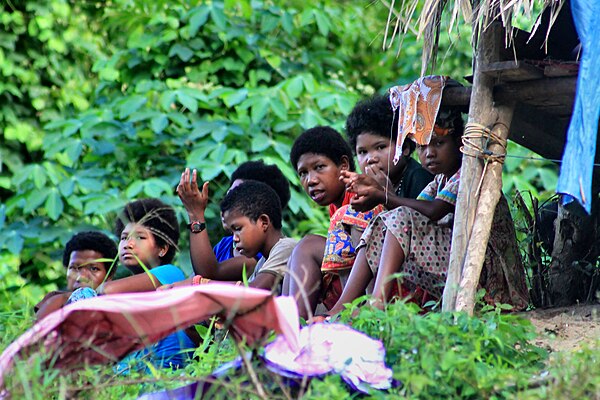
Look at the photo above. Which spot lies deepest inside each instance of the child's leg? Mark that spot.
(392, 258)
(303, 281)
(359, 279)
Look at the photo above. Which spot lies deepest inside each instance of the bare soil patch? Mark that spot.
(566, 328)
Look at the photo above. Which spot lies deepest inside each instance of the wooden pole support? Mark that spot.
(491, 190)
(481, 111)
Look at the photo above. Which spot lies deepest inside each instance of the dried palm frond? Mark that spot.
(479, 14)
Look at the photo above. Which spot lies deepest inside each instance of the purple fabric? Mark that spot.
(195, 390)
(324, 348)
(332, 348)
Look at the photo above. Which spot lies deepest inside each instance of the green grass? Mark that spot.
(438, 355)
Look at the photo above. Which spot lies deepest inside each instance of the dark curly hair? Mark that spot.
(322, 140)
(92, 240)
(451, 118)
(158, 217)
(269, 174)
(375, 116)
(252, 199)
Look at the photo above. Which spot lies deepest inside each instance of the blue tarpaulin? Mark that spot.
(575, 180)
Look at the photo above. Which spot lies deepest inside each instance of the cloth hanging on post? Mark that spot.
(418, 104)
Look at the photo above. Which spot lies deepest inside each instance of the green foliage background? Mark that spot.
(104, 102)
(101, 103)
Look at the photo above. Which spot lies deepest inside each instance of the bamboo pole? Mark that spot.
(481, 111)
(491, 190)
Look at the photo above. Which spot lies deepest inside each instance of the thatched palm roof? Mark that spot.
(424, 17)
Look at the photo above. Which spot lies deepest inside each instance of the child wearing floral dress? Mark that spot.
(414, 239)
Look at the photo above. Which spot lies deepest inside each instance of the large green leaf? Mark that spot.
(188, 101)
(259, 143)
(34, 200)
(294, 87)
(14, 242)
(198, 18)
(159, 123)
(130, 105)
(259, 109)
(54, 204)
(182, 51)
(234, 97)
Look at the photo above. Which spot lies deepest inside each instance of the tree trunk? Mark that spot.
(568, 282)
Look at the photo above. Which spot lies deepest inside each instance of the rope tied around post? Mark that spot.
(477, 140)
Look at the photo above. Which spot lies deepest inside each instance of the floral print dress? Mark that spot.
(426, 245)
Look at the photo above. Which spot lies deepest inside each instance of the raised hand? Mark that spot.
(368, 192)
(194, 200)
(380, 176)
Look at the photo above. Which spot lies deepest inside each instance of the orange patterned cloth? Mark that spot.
(340, 252)
(418, 104)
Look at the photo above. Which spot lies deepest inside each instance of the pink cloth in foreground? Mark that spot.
(106, 328)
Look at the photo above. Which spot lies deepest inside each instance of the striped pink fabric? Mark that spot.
(106, 328)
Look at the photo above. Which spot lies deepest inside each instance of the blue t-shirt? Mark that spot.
(224, 249)
(174, 350)
(167, 274)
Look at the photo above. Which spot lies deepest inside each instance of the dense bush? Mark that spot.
(105, 103)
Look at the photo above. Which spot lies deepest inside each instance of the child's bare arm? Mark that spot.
(204, 261)
(264, 281)
(369, 192)
(374, 188)
(52, 304)
(195, 202)
(143, 282)
(233, 269)
(433, 209)
(185, 282)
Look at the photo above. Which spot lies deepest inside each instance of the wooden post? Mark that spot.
(491, 190)
(481, 111)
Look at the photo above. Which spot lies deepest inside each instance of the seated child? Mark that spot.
(384, 181)
(149, 231)
(222, 262)
(370, 129)
(319, 155)
(252, 212)
(89, 259)
(415, 238)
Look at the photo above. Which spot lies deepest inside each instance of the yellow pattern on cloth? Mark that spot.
(340, 251)
(418, 104)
